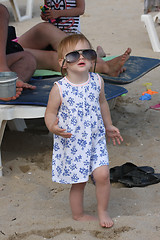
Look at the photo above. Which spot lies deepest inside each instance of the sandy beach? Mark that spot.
(35, 208)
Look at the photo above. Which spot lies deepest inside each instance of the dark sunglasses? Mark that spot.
(72, 57)
(89, 54)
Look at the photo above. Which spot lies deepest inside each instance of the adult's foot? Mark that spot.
(23, 85)
(20, 85)
(117, 63)
(100, 52)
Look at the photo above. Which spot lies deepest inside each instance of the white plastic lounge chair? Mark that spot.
(10, 112)
(149, 21)
(16, 12)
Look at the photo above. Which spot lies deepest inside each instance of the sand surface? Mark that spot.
(35, 208)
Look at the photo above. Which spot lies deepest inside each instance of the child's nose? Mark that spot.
(81, 56)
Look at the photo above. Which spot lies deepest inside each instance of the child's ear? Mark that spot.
(61, 63)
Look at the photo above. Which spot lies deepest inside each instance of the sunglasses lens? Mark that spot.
(89, 54)
(72, 57)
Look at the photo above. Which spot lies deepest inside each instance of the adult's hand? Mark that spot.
(20, 85)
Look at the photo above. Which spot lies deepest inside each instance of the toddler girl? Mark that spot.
(78, 115)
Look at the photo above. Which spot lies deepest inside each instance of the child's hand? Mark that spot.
(59, 131)
(51, 14)
(46, 13)
(114, 134)
(43, 17)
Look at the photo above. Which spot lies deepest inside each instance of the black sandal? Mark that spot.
(132, 176)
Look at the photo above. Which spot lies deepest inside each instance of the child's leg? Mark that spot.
(76, 203)
(101, 176)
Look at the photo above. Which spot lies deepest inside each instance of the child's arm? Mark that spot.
(111, 131)
(51, 118)
(77, 11)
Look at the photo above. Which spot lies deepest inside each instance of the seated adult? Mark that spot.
(12, 56)
(38, 38)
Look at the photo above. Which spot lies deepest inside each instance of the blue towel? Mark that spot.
(136, 67)
(39, 96)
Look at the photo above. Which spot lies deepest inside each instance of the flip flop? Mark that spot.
(139, 178)
(156, 107)
(118, 172)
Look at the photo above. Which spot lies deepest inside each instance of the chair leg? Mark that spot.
(29, 8)
(2, 128)
(156, 18)
(149, 23)
(17, 124)
(16, 11)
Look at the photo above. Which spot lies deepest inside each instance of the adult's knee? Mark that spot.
(30, 60)
(39, 26)
(42, 28)
(45, 29)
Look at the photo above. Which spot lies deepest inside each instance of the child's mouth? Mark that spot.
(81, 64)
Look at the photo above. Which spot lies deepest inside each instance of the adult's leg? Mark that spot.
(18, 62)
(49, 60)
(44, 34)
(100, 52)
(101, 176)
(37, 39)
(45, 59)
(4, 19)
(23, 63)
(76, 203)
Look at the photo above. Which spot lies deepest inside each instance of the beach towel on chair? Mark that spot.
(39, 96)
(136, 67)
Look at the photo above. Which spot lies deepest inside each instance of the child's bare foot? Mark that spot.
(85, 217)
(116, 64)
(105, 220)
(100, 52)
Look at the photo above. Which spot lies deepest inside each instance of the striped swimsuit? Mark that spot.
(66, 24)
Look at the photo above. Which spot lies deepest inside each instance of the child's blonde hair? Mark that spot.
(70, 42)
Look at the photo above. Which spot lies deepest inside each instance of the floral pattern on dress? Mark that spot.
(75, 158)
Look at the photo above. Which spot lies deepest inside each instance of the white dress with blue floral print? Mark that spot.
(75, 158)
